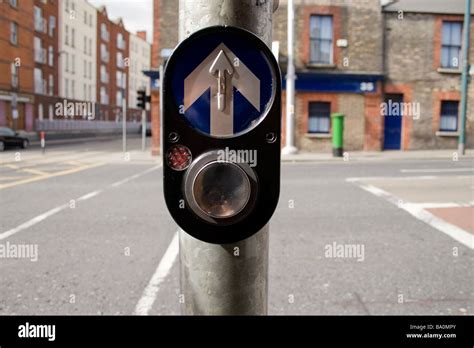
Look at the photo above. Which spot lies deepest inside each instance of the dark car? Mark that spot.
(9, 138)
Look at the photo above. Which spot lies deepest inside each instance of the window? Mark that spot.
(104, 54)
(66, 88)
(38, 81)
(14, 71)
(38, 19)
(73, 63)
(66, 58)
(85, 44)
(50, 55)
(40, 112)
(73, 39)
(14, 33)
(119, 98)
(51, 84)
(104, 34)
(51, 112)
(52, 25)
(14, 3)
(119, 60)
(321, 39)
(66, 35)
(319, 117)
(73, 89)
(120, 41)
(449, 116)
(451, 44)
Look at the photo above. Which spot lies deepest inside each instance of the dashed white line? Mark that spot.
(32, 222)
(49, 213)
(89, 195)
(135, 176)
(149, 294)
(441, 170)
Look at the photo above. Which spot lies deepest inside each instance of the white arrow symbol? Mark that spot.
(218, 69)
(220, 75)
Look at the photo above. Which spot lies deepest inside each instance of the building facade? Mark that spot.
(16, 64)
(78, 50)
(140, 60)
(426, 41)
(386, 75)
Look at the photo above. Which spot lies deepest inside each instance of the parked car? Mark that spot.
(10, 138)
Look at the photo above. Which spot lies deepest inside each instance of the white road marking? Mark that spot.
(441, 170)
(49, 213)
(418, 212)
(135, 176)
(32, 222)
(149, 294)
(89, 195)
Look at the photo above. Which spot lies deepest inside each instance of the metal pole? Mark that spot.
(124, 125)
(229, 279)
(465, 77)
(290, 147)
(143, 129)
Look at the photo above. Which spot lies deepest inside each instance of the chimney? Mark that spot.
(142, 34)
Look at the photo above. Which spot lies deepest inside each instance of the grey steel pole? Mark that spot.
(143, 129)
(290, 147)
(229, 279)
(124, 125)
(465, 78)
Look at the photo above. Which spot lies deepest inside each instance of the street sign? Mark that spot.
(221, 129)
(15, 114)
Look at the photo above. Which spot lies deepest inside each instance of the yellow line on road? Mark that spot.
(34, 171)
(47, 176)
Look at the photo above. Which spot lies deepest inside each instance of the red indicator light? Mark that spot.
(178, 157)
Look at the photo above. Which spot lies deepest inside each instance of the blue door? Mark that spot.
(393, 122)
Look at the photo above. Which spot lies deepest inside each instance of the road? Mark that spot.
(348, 237)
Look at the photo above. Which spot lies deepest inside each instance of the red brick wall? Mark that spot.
(373, 122)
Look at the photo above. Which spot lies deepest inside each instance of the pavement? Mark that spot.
(84, 230)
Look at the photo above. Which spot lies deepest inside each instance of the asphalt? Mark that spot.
(97, 254)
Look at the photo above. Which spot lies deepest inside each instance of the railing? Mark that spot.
(84, 126)
(40, 55)
(40, 24)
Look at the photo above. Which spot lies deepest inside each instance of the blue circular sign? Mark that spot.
(222, 81)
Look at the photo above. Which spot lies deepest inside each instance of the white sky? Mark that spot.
(136, 14)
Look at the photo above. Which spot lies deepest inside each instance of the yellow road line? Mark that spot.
(10, 177)
(47, 176)
(34, 171)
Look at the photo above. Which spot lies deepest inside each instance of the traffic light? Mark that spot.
(221, 134)
(141, 99)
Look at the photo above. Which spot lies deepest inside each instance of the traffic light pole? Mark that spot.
(229, 279)
(143, 129)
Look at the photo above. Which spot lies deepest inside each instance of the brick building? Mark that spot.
(46, 70)
(16, 63)
(358, 58)
(112, 51)
(424, 39)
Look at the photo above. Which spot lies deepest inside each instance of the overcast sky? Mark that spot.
(136, 14)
